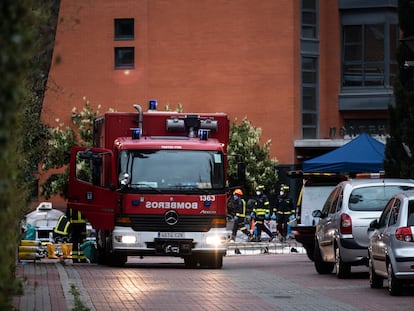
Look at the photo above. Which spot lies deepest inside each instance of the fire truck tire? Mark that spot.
(102, 260)
(105, 257)
(117, 260)
(101, 245)
(212, 261)
(191, 262)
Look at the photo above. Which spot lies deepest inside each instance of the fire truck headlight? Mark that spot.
(126, 239)
(215, 240)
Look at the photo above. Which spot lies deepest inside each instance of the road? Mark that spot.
(246, 282)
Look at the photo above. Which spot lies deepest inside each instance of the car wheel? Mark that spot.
(309, 251)
(394, 285)
(321, 266)
(375, 281)
(343, 270)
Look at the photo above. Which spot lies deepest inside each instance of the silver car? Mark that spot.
(391, 247)
(341, 238)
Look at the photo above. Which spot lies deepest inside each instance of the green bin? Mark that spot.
(89, 250)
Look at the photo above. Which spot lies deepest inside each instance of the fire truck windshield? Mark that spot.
(172, 169)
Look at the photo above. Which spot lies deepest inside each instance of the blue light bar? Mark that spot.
(136, 133)
(152, 104)
(203, 134)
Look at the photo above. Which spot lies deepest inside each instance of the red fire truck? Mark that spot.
(154, 184)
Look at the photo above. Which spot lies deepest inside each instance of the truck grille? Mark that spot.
(184, 223)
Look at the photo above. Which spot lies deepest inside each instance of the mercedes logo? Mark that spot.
(171, 217)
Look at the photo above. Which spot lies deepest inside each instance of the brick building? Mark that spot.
(310, 73)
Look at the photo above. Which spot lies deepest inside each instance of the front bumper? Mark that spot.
(133, 243)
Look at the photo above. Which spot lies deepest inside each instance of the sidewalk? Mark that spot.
(48, 283)
(42, 286)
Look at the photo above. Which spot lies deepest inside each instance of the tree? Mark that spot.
(399, 150)
(245, 143)
(62, 138)
(26, 38)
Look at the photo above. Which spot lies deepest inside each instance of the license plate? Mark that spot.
(172, 235)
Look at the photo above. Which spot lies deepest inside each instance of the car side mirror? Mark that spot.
(317, 213)
(373, 225)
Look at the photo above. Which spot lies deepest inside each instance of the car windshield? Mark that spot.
(172, 169)
(373, 198)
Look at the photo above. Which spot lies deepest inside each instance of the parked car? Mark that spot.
(341, 238)
(391, 247)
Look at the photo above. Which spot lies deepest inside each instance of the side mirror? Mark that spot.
(317, 213)
(373, 225)
(124, 180)
(86, 155)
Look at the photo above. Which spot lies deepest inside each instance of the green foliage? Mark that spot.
(83, 120)
(23, 68)
(260, 169)
(62, 138)
(79, 306)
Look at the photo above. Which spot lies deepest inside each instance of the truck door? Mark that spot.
(92, 185)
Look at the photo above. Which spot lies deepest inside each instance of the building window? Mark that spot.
(124, 28)
(309, 97)
(124, 57)
(309, 19)
(367, 56)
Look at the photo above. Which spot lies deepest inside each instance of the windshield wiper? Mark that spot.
(191, 188)
(144, 185)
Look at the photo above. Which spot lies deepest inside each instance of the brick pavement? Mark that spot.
(42, 287)
(263, 282)
(47, 283)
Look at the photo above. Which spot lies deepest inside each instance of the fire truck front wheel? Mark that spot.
(111, 259)
(191, 261)
(211, 261)
(105, 255)
(117, 260)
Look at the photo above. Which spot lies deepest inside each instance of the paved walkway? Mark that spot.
(53, 285)
(43, 286)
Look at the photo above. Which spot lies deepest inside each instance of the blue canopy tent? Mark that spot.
(362, 154)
